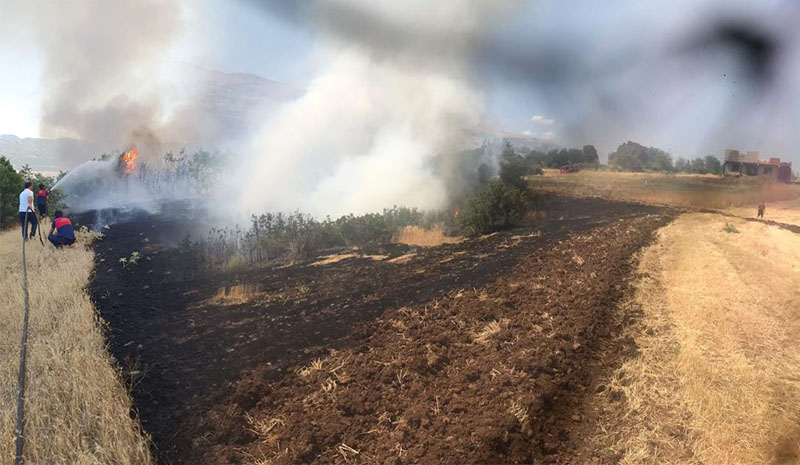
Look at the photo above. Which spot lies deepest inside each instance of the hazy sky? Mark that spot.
(222, 35)
(689, 76)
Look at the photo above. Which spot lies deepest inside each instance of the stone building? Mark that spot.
(748, 164)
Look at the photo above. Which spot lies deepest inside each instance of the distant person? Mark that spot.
(761, 208)
(27, 214)
(61, 232)
(41, 200)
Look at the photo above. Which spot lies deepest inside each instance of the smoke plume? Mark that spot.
(692, 76)
(393, 100)
(101, 65)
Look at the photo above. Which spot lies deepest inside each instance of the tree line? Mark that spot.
(631, 156)
(11, 184)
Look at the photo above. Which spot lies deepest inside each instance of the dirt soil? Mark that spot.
(471, 352)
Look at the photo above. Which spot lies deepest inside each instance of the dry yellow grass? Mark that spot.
(76, 409)
(414, 235)
(336, 258)
(717, 378)
(236, 294)
(692, 191)
(787, 211)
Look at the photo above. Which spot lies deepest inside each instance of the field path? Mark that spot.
(717, 378)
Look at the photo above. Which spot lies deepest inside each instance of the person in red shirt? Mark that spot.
(761, 208)
(41, 200)
(61, 232)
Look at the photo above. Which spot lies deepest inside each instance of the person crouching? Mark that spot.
(61, 232)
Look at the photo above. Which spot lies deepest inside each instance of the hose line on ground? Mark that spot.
(23, 347)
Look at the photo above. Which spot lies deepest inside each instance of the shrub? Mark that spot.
(86, 235)
(729, 228)
(297, 236)
(513, 168)
(10, 186)
(493, 206)
(484, 173)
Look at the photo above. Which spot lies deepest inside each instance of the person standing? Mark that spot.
(761, 208)
(61, 232)
(41, 200)
(27, 214)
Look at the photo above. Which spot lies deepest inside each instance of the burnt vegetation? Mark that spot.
(220, 347)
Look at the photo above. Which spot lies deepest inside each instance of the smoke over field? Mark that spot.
(392, 104)
(379, 124)
(101, 62)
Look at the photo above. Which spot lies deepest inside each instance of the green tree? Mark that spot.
(575, 155)
(513, 168)
(11, 184)
(682, 165)
(484, 173)
(631, 156)
(698, 166)
(628, 157)
(590, 155)
(557, 158)
(536, 158)
(493, 206)
(713, 165)
(658, 160)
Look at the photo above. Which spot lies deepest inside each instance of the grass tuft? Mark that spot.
(729, 228)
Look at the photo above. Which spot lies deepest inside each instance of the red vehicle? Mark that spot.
(574, 168)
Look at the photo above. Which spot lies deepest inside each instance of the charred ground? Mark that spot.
(205, 350)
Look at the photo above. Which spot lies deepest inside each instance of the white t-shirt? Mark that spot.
(23, 200)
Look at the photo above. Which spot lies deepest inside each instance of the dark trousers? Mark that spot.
(30, 221)
(42, 207)
(58, 241)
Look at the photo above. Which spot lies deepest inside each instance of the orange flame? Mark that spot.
(129, 158)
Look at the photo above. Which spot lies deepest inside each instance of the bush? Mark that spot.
(297, 236)
(631, 156)
(11, 185)
(513, 168)
(729, 228)
(493, 206)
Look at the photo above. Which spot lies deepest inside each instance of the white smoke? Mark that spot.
(394, 96)
(98, 184)
(108, 78)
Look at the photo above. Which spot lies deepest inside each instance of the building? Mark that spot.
(748, 164)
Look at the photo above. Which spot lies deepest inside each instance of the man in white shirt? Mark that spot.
(27, 214)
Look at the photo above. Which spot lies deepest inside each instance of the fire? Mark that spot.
(129, 158)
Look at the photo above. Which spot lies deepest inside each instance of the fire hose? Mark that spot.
(24, 343)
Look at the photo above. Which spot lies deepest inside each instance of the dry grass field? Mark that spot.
(717, 378)
(690, 191)
(77, 409)
(415, 235)
(787, 211)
